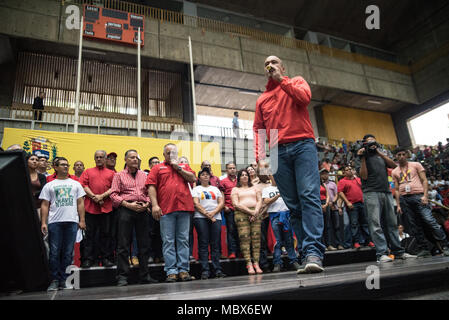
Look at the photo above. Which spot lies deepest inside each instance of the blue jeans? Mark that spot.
(298, 181)
(347, 234)
(61, 238)
(359, 224)
(379, 206)
(282, 238)
(175, 228)
(418, 216)
(208, 233)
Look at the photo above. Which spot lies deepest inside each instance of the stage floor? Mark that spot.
(336, 282)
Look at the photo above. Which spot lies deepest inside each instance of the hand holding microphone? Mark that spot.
(274, 73)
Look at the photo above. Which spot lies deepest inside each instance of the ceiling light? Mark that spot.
(374, 102)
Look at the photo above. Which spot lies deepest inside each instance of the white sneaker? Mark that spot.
(384, 258)
(405, 256)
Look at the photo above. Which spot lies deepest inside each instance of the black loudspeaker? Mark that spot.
(23, 258)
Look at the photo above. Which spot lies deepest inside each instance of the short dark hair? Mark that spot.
(239, 175)
(151, 159)
(54, 161)
(58, 159)
(131, 150)
(236, 113)
(368, 136)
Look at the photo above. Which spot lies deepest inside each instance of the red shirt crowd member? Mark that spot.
(129, 194)
(350, 190)
(172, 204)
(97, 182)
(226, 186)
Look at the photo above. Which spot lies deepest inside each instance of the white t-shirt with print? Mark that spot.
(63, 196)
(279, 204)
(208, 199)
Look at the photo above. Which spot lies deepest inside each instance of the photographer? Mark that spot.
(379, 200)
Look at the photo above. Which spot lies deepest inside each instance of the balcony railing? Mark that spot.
(99, 119)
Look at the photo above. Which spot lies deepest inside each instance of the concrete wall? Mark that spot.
(45, 20)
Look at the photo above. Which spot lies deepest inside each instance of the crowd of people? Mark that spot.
(136, 216)
(354, 199)
(430, 168)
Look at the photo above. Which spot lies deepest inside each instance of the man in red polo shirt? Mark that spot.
(226, 186)
(97, 183)
(172, 205)
(350, 190)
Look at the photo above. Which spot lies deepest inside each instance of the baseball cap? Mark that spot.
(112, 154)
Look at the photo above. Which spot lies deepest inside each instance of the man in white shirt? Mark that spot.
(63, 206)
(280, 223)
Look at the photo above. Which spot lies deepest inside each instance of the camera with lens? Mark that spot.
(368, 146)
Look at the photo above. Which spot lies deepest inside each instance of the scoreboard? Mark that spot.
(112, 25)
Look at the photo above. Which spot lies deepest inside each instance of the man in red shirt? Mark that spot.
(350, 190)
(226, 186)
(129, 195)
(282, 116)
(97, 182)
(172, 205)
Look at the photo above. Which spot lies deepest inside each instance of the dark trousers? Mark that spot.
(359, 224)
(419, 218)
(129, 220)
(263, 260)
(209, 233)
(332, 228)
(37, 114)
(232, 234)
(97, 241)
(155, 236)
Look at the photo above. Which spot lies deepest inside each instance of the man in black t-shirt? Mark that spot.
(379, 201)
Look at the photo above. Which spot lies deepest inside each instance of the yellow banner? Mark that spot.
(82, 146)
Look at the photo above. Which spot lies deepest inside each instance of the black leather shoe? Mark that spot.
(86, 264)
(107, 263)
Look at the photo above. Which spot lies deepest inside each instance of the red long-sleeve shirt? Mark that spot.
(126, 187)
(283, 106)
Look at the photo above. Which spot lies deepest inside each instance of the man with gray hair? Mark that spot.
(97, 182)
(172, 204)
